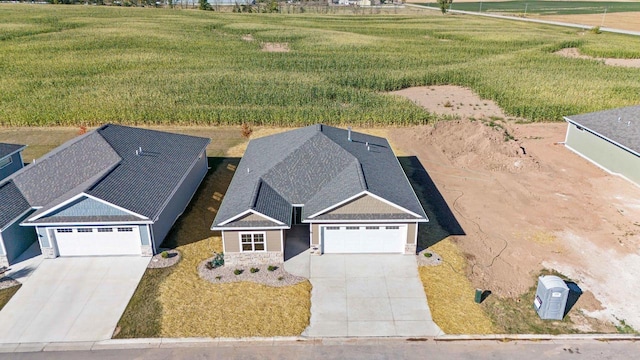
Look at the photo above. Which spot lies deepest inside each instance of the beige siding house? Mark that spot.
(346, 190)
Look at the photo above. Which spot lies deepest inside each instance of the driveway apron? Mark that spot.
(368, 295)
(71, 299)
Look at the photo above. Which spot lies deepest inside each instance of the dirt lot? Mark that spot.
(529, 203)
(574, 53)
(624, 20)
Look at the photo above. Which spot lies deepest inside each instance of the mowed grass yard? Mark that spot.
(176, 302)
(86, 65)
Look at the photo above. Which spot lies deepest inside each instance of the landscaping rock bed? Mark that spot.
(7, 282)
(158, 262)
(278, 277)
(433, 260)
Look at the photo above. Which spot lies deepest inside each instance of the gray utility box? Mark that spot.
(551, 297)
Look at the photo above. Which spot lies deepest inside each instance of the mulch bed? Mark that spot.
(433, 260)
(158, 262)
(225, 274)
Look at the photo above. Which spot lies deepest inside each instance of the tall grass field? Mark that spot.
(87, 65)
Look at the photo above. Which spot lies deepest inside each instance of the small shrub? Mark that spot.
(246, 130)
(596, 30)
(164, 255)
(209, 265)
(448, 104)
(280, 278)
(254, 270)
(272, 268)
(238, 271)
(218, 260)
(428, 254)
(218, 277)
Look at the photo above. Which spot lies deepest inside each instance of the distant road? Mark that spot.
(538, 21)
(367, 349)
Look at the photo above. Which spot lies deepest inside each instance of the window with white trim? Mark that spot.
(252, 242)
(64, 230)
(5, 162)
(105, 229)
(85, 230)
(125, 229)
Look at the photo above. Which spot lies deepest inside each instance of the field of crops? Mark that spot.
(69, 65)
(546, 7)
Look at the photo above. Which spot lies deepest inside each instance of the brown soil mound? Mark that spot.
(486, 145)
(275, 47)
(574, 53)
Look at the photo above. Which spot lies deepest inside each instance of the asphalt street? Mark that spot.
(369, 350)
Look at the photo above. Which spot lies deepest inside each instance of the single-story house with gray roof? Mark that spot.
(610, 139)
(347, 188)
(116, 190)
(10, 159)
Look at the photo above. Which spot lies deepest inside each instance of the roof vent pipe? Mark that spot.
(349, 137)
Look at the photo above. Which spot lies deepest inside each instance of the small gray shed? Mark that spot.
(551, 297)
(609, 139)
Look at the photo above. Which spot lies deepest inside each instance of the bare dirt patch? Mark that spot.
(574, 53)
(247, 37)
(555, 211)
(275, 47)
(623, 20)
(455, 101)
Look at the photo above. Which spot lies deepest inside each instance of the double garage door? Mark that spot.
(89, 241)
(352, 239)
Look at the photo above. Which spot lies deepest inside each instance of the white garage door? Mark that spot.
(347, 239)
(84, 241)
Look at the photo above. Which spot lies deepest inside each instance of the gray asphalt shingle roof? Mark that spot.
(621, 125)
(315, 166)
(8, 149)
(103, 163)
(13, 204)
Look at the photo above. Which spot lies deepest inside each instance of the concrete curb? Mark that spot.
(155, 343)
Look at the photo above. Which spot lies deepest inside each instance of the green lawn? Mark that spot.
(546, 7)
(72, 65)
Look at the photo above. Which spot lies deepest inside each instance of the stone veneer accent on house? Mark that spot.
(410, 249)
(48, 253)
(253, 258)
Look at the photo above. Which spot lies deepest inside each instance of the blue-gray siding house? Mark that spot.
(114, 191)
(10, 159)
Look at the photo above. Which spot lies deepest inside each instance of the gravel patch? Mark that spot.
(158, 262)
(225, 274)
(433, 260)
(7, 282)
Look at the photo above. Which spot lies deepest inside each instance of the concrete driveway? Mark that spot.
(71, 299)
(368, 295)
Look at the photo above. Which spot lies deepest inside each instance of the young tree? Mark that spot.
(204, 5)
(445, 5)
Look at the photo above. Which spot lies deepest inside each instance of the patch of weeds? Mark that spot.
(254, 270)
(596, 30)
(280, 278)
(448, 104)
(164, 255)
(508, 136)
(272, 268)
(238, 271)
(623, 328)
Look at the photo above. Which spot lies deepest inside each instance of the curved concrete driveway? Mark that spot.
(368, 295)
(71, 299)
